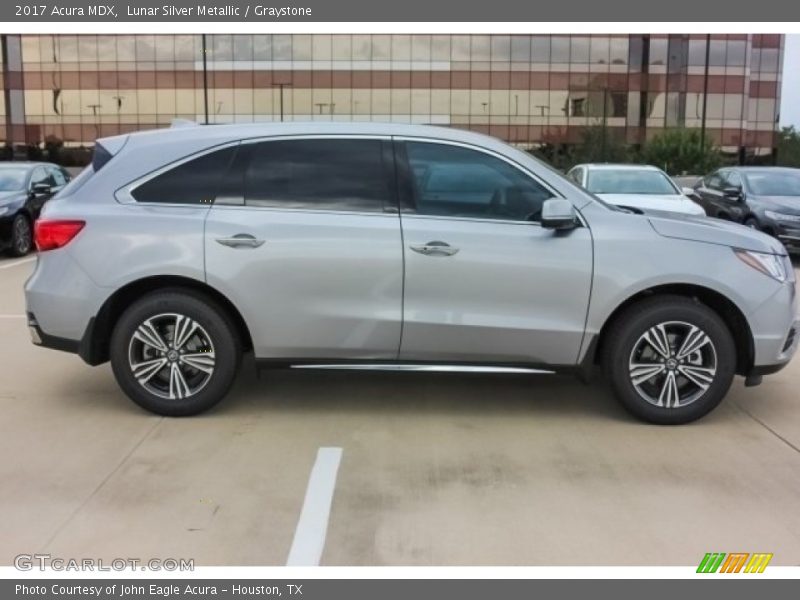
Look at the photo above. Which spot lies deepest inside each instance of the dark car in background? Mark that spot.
(764, 198)
(24, 188)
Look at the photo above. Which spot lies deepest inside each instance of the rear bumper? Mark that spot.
(83, 347)
(62, 303)
(40, 338)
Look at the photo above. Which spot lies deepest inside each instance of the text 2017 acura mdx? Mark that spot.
(385, 244)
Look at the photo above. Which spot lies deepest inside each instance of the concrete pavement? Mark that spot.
(437, 469)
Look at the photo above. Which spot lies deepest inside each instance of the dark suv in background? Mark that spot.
(24, 188)
(764, 198)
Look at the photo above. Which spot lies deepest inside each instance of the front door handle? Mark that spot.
(435, 248)
(240, 240)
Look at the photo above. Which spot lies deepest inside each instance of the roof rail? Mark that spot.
(182, 123)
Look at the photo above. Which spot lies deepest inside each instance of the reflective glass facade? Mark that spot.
(526, 89)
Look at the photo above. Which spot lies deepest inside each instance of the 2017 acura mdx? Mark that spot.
(351, 244)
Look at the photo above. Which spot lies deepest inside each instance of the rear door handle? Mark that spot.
(435, 248)
(240, 240)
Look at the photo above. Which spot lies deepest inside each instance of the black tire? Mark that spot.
(214, 324)
(625, 337)
(753, 223)
(21, 236)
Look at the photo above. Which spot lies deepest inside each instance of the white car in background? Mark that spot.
(637, 187)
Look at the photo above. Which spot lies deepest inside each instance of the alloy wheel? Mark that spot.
(171, 356)
(672, 364)
(22, 236)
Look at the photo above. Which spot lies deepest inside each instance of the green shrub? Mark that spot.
(680, 151)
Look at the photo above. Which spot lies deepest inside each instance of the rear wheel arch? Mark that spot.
(95, 346)
(730, 313)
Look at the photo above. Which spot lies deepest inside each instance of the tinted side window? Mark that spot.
(714, 181)
(58, 176)
(733, 180)
(328, 174)
(576, 175)
(458, 182)
(39, 175)
(193, 182)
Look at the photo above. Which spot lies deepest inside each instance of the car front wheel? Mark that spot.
(670, 359)
(752, 223)
(175, 353)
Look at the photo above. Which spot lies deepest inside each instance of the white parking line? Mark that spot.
(309, 537)
(16, 263)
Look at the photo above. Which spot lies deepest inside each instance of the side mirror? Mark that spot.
(732, 193)
(39, 189)
(559, 214)
(687, 191)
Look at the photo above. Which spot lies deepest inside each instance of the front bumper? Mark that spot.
(788, 232)
(790, 238)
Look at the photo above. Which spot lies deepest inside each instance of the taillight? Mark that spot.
(50, 235)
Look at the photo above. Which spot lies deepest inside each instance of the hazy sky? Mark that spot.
(790, 91)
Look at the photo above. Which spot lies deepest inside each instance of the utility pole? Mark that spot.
(603, 143)
(205, 78)
(280, 86)
(705, 95)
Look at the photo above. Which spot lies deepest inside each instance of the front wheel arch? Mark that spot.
(95, 345)
(723, 306)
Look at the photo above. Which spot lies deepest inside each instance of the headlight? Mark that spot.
(777, 216)
(3, 210)
(771, 265)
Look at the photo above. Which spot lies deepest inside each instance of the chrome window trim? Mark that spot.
(361, 213)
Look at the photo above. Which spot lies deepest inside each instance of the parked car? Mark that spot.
(24, 188)
(764, 198)
(634, 187)
(385, 245)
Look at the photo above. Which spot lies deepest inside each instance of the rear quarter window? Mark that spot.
(195, 181)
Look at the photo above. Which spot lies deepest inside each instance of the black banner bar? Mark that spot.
(748, 11)
(714, 586)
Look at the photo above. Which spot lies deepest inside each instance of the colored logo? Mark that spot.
(735, 562)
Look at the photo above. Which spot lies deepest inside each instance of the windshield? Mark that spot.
(12, 179)
(629, 181)
(774, 184)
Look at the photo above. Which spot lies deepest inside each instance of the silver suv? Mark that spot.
(385, 245)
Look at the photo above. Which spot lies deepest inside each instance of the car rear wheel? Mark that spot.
(175, 353)
(21, 236)
(670, 359)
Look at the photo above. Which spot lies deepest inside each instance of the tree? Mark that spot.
(598, 144)
(789, 147)
(681, 151)
(601, 144)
